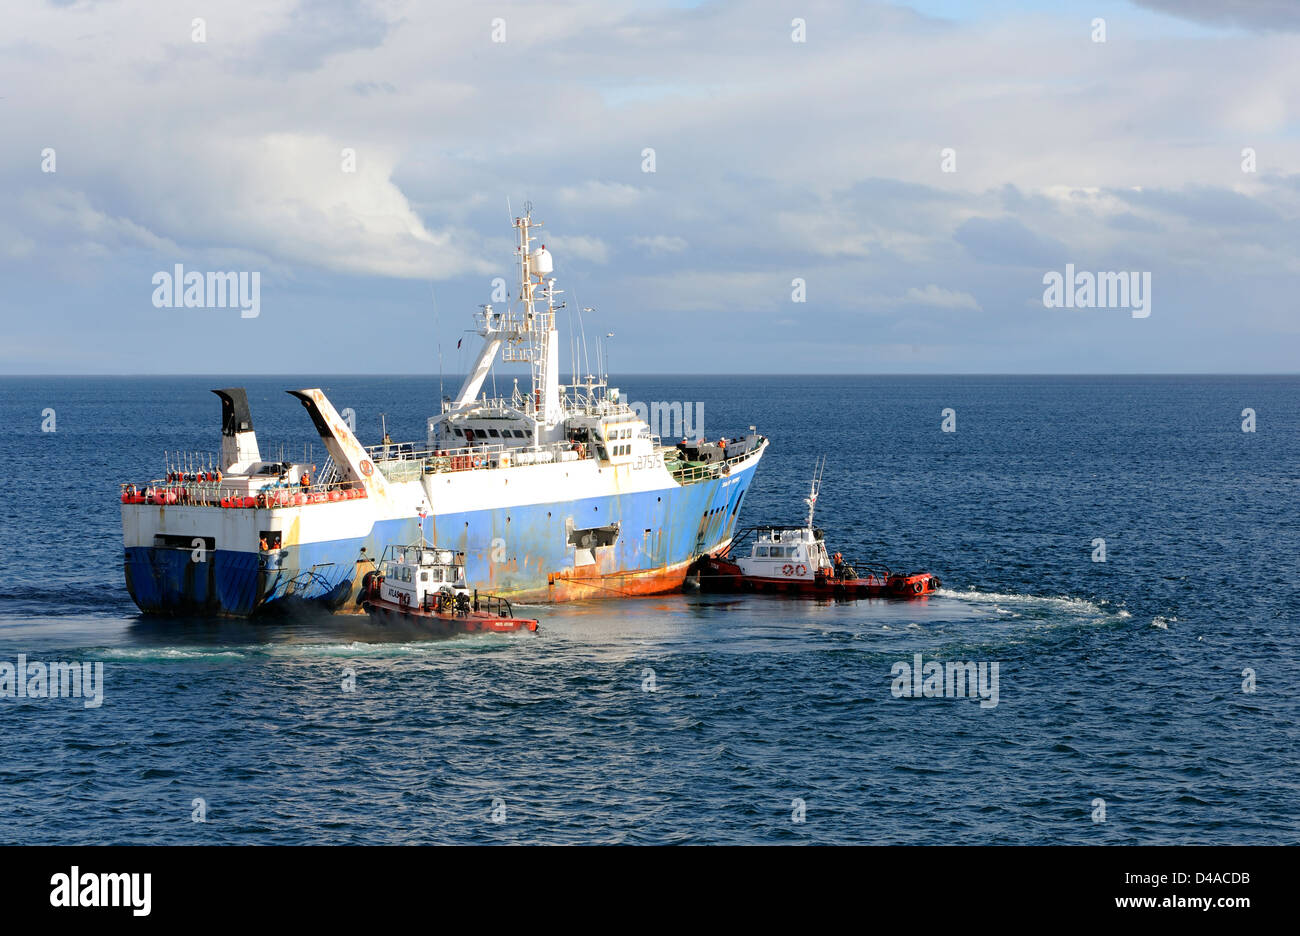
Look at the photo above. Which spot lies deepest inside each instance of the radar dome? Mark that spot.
(541, 261)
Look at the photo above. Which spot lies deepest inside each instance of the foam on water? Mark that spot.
(165, 654)
(1063, 604)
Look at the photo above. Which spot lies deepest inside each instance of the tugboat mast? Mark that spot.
(811, 499)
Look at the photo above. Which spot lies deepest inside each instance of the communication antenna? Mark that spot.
(819, 469)
(437, 329)
(573, 345)
(586, 359)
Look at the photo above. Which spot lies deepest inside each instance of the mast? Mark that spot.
(525, 334)
(536, 339)
(811, 499)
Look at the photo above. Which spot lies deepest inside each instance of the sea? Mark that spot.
(1119, 554)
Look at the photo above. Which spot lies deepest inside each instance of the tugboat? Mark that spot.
(423, 584)
(794, 560)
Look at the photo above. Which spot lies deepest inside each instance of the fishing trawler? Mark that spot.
(794, 560)
(424, 585)
(553, 493)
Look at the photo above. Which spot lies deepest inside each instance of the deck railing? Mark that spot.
(216, 494)
(688, 473)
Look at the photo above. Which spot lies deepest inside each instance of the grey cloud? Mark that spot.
(367, 88)
(1128, 221)
(1203, 203)
(1281, 15)
(1008, 242)
(775, 160)
(317, 29)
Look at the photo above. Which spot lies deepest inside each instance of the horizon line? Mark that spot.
(692, 374)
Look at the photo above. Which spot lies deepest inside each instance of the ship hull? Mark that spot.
(721, 574)
(183, 560)
(446, 625)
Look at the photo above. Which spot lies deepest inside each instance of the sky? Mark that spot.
(887, 195)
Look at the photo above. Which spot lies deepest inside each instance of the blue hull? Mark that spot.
(521, 552)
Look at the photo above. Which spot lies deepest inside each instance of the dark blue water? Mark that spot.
(1119, 680)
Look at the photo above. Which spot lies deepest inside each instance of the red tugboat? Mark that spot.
(794, 560)
(424, 585)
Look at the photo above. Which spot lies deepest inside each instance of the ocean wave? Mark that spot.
(305, 650)
(163, 654)
(81, 599)
(1058, 603)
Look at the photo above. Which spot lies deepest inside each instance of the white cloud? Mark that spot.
(661, 243)
(292, 200)
(594, 194)
(775, 160)
(72, 213)
(578, 246)
(938, 297)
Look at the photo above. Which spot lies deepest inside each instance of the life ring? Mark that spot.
(802, 570)
(366, 467)
(918, 587)
(788, 569)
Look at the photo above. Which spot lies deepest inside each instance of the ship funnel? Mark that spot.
(351, 460)
(238, 440)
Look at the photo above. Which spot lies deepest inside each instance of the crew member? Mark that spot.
(305, 480)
